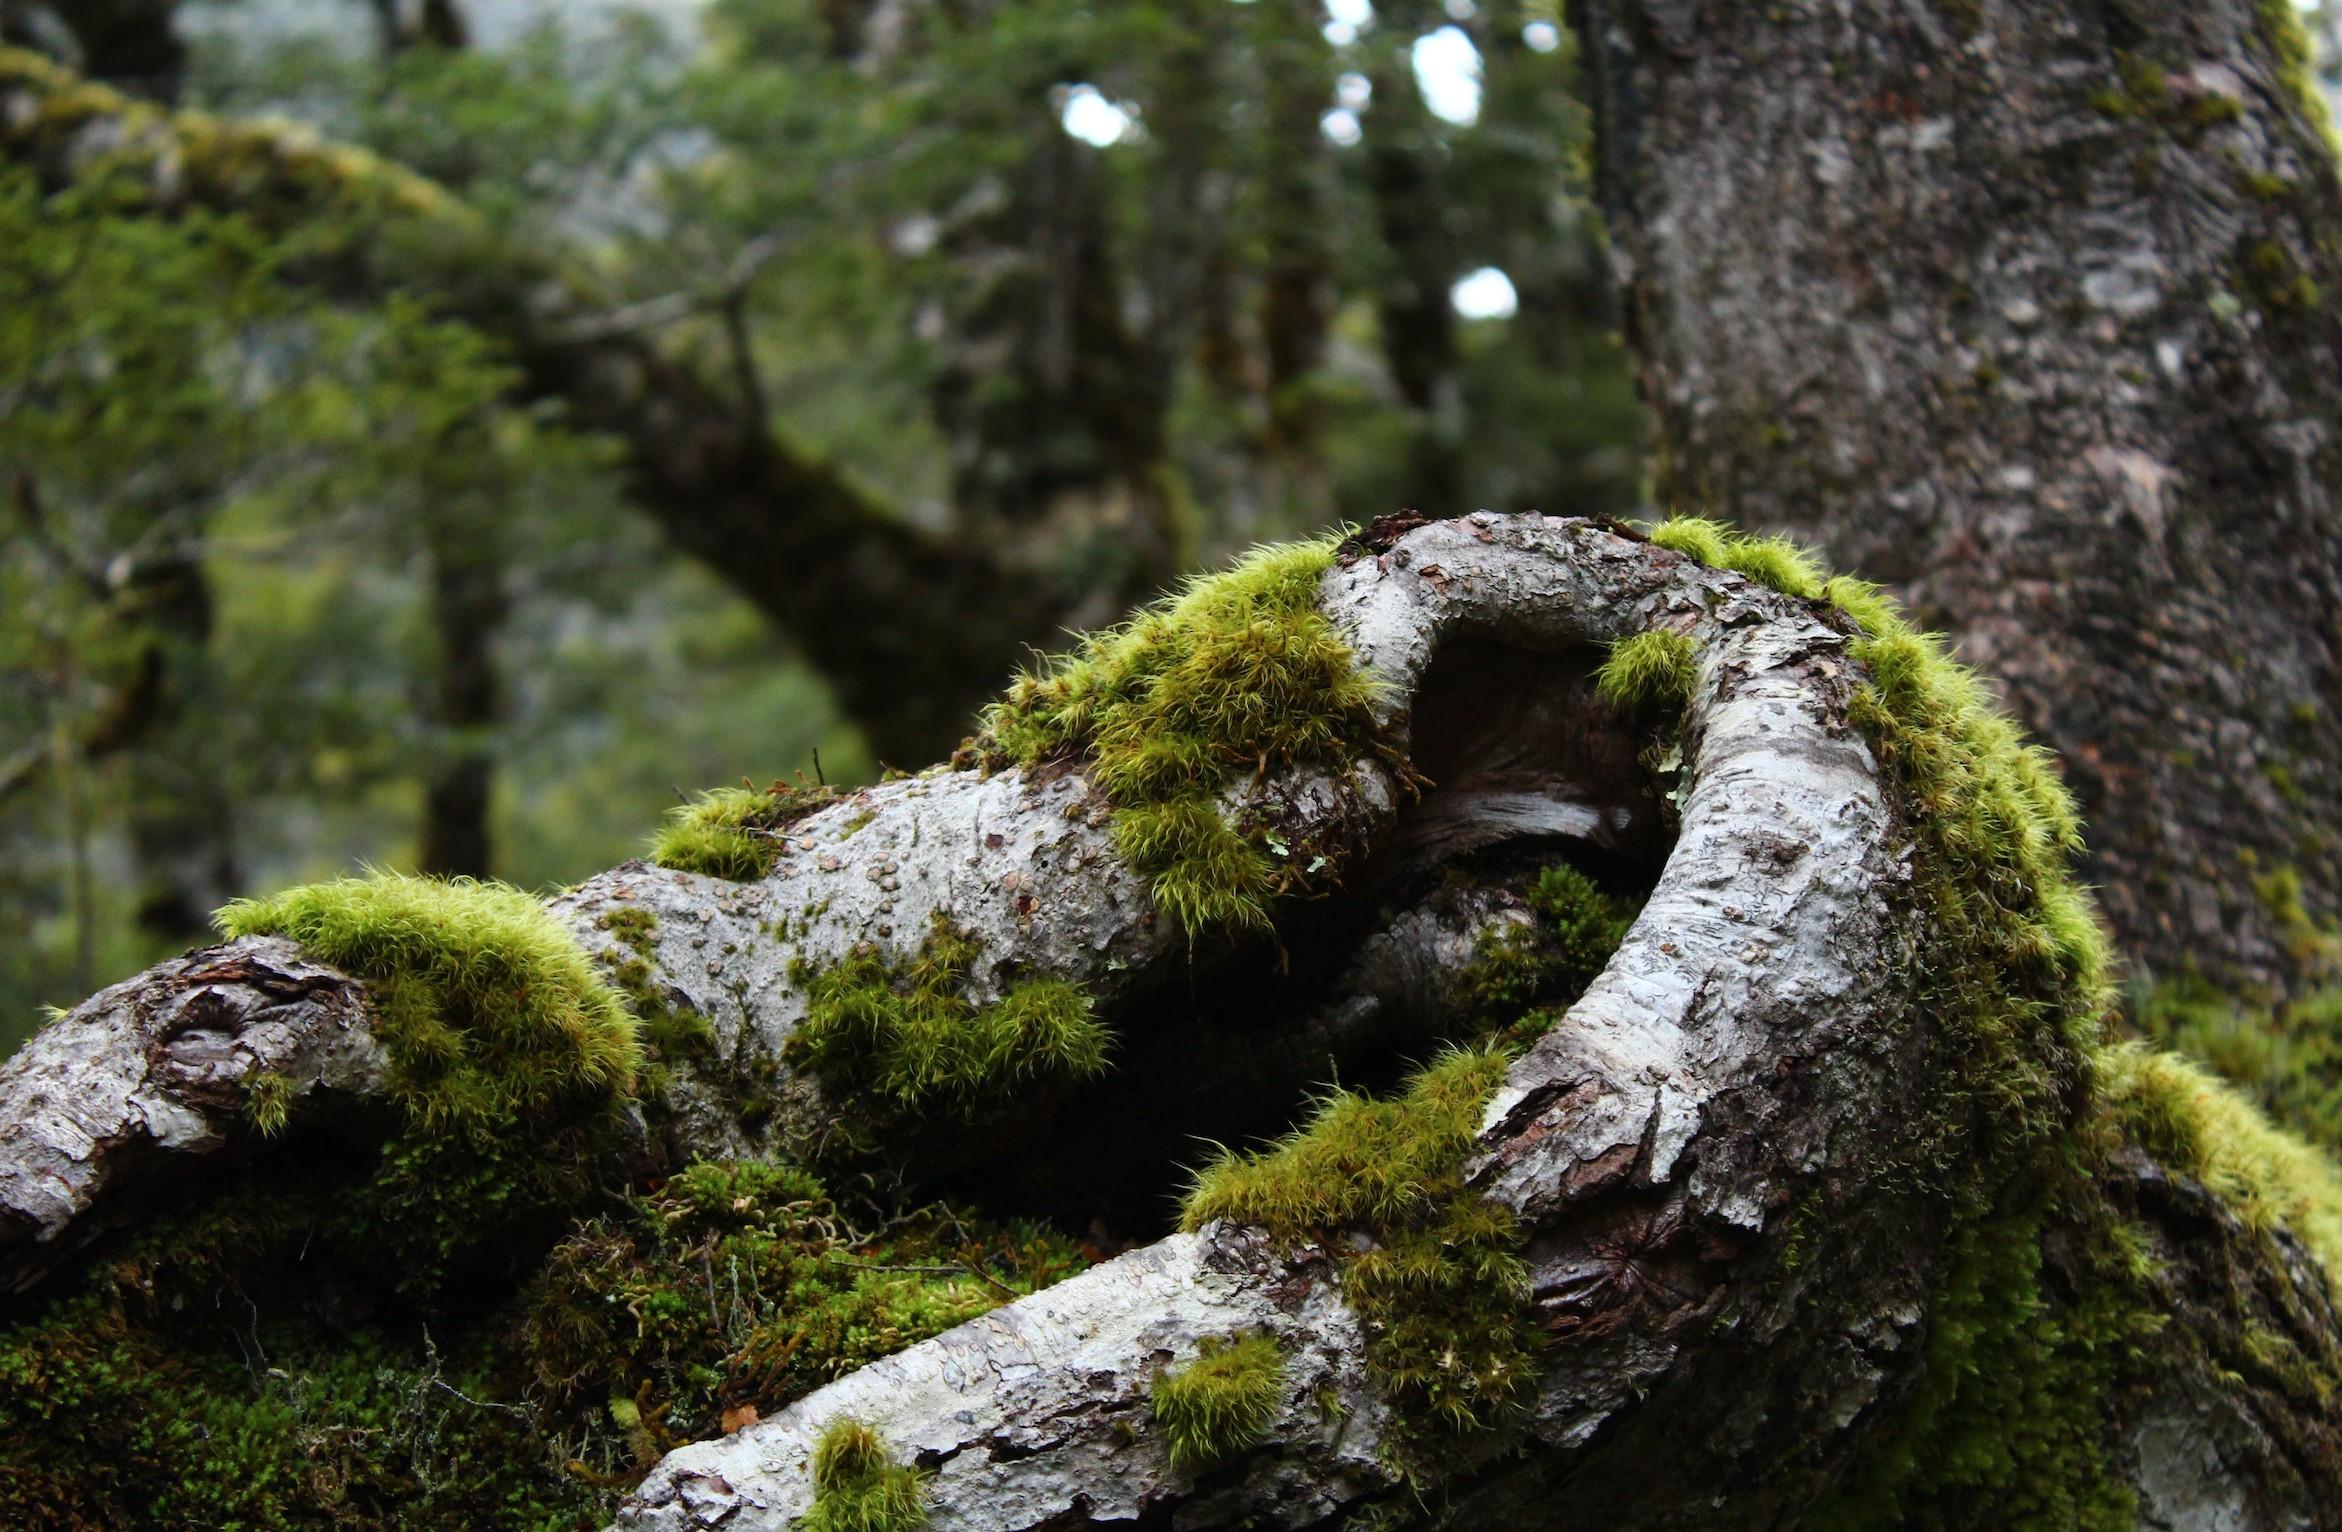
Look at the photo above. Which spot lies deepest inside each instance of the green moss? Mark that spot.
(1238, 674)
(2197, 1125)
(742, 1283)
(1437, 1279)
(226, 1368)
(2288, 1059)
(858, 1488)
(2276, 282)
(1219, 1405)
(268, 1101)
(669, 1033)
(1526, 975)
(2295, 58)
(1649, 670)
(907, 1037)
(735, 832)
(483, 1002)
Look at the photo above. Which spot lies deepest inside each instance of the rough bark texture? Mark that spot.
(2029, 309)
(1757, 1046)
(912, 629)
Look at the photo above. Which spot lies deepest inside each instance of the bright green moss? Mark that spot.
(268, 1101)
(484, 1003)
(2288, 1059)
(1219, 1405)
(2197, 1125)
(1771, 561)
(858, 1488)
(1439, 1282)
(1649, 670)
(908, 1037)
(735, 832)
(1238, 674)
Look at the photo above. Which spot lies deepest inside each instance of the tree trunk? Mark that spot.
(1830, 1114)
(2029, 310)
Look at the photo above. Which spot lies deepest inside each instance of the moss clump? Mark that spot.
(1525, 976)
(268, 1101)
(1238, 674)
(1649, 671)
(908, 1036)
(510, 1056)
(2287, 1059)
(735, 832)
(2196, 1125)
(858, 1488)
(743, 1283)
(1438, 1282)
(483, 1002)
(1220, 1405)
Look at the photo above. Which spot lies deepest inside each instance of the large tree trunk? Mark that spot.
(2030, 309)
(1800, 1142)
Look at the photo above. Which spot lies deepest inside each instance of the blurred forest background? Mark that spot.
(328, 545)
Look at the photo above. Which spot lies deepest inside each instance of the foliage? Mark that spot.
(906, 1039)
(858, 1488)
(732, 832)
(1238, 674)
(1220, 1404)
(1438, 1282)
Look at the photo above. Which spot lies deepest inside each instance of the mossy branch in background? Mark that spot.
(2198, 1126)
(485, 1005)
(734, 832)
(1649, 670)
(1219, 1405)
(2288, 1059)
(908, 1035)
(1440, 1286)
(1238, 674)
(858, 1488)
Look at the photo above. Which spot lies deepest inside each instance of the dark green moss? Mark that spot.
(906, 1038)
(1219, 1405)
(670, 1033)
(735, 832)
(858, 1488)
(1526, 975)
(743, 1284)
(1238, 674)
